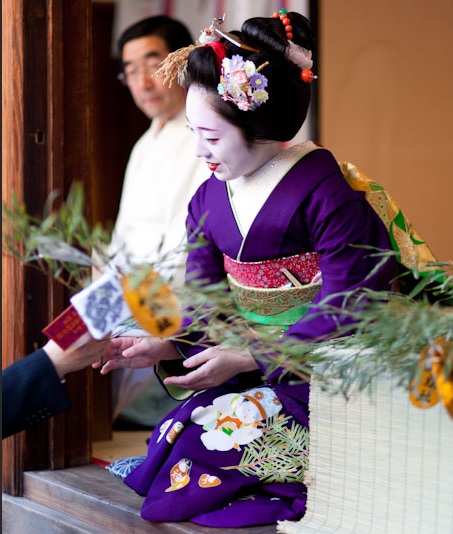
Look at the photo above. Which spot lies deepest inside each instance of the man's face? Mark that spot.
(141, 59)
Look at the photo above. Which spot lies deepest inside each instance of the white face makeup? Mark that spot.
(220, 143)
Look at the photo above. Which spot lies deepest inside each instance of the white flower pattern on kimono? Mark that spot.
(236, 419)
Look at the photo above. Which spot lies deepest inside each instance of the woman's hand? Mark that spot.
(215, 366)
(136, 353)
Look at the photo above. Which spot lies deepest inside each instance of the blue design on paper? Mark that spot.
(103, 306)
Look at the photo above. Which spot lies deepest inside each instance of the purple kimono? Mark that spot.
(235, 455)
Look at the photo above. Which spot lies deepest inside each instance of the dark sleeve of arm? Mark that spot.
(31, 392)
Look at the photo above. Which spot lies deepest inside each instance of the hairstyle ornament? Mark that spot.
(174, 66)
(242, 83)
(213, 33)
(208, 35)
(296, 54)
(282, 14)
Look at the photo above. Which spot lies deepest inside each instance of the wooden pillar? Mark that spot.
(46, 119)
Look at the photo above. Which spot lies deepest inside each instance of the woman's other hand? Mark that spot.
(213, 367)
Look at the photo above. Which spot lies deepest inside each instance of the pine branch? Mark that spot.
(391, 329)
(279, 455)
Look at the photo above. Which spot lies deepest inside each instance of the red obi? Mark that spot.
(268, 273)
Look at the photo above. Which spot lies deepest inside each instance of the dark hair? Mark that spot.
(283, 114)
(173, 32)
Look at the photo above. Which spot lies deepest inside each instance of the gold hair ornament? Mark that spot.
(235, 40)
(174, 66)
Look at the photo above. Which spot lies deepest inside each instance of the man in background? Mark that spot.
(161, 176)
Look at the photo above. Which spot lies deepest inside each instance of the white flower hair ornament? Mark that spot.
(208, 35)
(242, 83)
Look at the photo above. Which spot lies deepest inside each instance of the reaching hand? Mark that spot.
(215, 366)
(136, 353)
(81, 354)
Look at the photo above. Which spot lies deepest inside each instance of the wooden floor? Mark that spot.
(89, 500)
(123, 445)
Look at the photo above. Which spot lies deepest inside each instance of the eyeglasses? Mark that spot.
(131, 74)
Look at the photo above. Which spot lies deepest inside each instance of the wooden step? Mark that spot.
(91, 494)
(20, 515)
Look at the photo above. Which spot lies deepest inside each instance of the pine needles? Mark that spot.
(279, 455)
(391, 329)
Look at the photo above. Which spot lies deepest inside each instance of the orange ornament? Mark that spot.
(153, 304)
(307, 76)
(423, 390)
(441, 347)
(433, 385)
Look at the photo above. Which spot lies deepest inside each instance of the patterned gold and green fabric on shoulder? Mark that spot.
(413, 252)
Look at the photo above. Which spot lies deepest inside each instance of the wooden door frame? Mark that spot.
(46, 129)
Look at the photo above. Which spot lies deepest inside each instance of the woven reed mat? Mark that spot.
(378, 465)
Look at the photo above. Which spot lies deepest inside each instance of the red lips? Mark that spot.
(213, 166)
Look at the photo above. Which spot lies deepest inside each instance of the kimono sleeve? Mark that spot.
(204, 261)
(349, 235)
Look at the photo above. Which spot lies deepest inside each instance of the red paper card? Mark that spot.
(67, 328)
